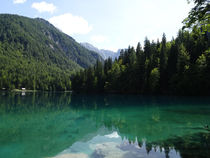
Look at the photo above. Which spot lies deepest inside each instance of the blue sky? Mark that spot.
(107, 24)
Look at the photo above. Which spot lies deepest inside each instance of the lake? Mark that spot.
(65, 125)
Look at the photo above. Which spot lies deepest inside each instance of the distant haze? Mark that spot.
(105, 54)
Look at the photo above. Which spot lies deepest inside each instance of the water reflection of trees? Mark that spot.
(110, 111)
(189, 146)
(31, 102)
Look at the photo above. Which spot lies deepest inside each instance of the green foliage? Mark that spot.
(183, 60)
(165, 67)
(163, 64)
(154, 80)
(35, 55)
(199, 15)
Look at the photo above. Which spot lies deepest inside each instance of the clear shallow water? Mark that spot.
(62, 125)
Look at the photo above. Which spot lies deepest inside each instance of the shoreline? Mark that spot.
(29, 90)
(20, 90)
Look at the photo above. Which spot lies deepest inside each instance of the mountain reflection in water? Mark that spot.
(113, 146)
(40, 125)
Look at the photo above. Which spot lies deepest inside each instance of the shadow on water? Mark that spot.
(45, 124)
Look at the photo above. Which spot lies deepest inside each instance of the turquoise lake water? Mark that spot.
(65, 125)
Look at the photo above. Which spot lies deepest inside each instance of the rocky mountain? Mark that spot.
(102, 52)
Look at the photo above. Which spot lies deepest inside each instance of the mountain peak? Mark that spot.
(105, 54)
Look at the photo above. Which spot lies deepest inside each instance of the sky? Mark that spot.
(107, 24)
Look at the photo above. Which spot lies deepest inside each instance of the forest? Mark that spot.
(180, 66)
(37, 56)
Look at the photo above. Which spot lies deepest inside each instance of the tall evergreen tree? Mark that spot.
(140, 68)
(163, 64)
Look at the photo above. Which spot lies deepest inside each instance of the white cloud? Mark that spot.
(98, 39)
(19, 1)
(44, 7)
(71, 24)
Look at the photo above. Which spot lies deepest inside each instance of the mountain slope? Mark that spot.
(105, 54)
(34, 54)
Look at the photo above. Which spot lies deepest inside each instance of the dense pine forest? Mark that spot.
(180, 66)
